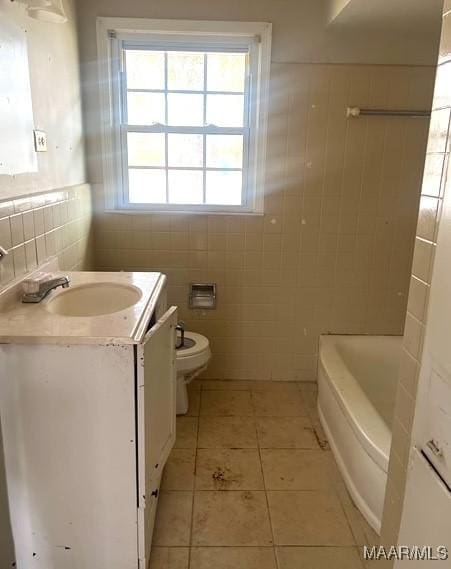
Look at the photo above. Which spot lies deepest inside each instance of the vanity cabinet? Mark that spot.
(156, 403)
(87, 428)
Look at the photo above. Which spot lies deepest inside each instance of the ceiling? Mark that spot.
(418, 16)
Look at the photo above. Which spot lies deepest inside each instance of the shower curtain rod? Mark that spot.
(355, 112)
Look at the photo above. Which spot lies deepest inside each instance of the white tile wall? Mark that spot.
(35, 228)
(435, 180)
(333, 251)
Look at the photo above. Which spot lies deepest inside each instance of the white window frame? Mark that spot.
(255, 36)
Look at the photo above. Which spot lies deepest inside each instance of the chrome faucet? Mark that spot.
(41, 289)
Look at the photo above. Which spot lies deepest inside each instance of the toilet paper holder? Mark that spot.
(202, 295)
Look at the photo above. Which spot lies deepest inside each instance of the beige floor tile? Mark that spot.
(173, 521)
(228, 469)
(169, 558)
(308, 386)
(194, 404)
(286, 432)
(318, 558)
(231, 518)
(371, 537)
(227, 432)
(226, 403)
(179, 470)
(363, 533)
(308, 518)
(378, 564)
(310, 397)
(293, 469)
(218, 385)
(320, 434)
(186, 432)
(278, 404)
(232, 558)
(234, 385)
(283, 386)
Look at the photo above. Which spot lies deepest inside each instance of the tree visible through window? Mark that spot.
(185, 126)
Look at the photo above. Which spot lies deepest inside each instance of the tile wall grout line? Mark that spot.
(194, 479)
(276, 559)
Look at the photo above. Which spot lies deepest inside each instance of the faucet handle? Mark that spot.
(32, 284)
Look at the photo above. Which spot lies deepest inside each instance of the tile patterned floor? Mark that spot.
(252, 484)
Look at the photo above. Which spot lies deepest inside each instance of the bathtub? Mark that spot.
(357, 381)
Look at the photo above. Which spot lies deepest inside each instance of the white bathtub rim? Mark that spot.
(357, 497)
(345, 387)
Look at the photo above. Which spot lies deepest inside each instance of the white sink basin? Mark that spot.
(93, 299)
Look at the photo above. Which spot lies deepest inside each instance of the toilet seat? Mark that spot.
(194, 357)
(191, 361)
(200, 344)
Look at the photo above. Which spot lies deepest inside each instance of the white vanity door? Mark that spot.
(156, 394)
(68, 426)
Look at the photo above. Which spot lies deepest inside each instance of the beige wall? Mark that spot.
(56, 101)
(300, 30)
(332, 252)
(435, 184)
(37, 222)
(48, 212)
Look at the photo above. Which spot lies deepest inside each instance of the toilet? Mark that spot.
(193, 355)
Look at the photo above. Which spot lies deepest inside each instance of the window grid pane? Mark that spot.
(185, 70)
(221, 182)
(185, 150)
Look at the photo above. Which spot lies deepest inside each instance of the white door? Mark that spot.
(156, 404)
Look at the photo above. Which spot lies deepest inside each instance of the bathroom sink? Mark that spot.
(94, 299)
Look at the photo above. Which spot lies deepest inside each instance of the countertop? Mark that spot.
(34, 324)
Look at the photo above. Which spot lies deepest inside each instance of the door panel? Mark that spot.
(146, 523)
(156, 393)
(68, 427)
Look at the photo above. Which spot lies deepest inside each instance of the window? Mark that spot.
(186, 107)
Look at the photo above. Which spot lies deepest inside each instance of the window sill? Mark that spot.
(182, 212)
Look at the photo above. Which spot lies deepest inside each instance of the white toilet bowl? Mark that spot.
(192, 359)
